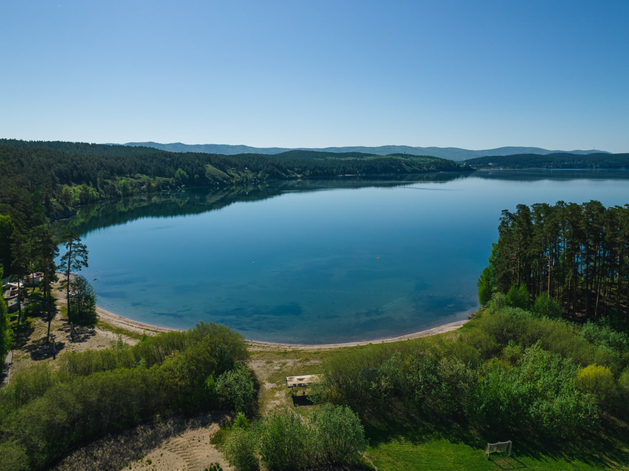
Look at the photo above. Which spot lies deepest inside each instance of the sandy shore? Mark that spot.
(148, 329)
(128, 324)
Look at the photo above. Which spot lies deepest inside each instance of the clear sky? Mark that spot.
(473, 74)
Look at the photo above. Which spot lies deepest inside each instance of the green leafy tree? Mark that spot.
(14, 457)
(487, 282)
(21, 259)
(74, 260)
(7, 228)
(339, 435)
(83, 300)
(518, 297)
(545, 306)
(597, 380)
(181, 177)
(623, 386)
(241, 450)
(284, 439)
(235, 388)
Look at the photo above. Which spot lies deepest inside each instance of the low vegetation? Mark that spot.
(284, 440)
(46, 410)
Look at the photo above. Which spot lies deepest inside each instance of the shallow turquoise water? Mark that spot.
(315, 262)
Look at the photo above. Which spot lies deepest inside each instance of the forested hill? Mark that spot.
(450, 153)
(41, 179)
(559, 160)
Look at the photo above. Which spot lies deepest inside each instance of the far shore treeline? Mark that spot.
(560, 160)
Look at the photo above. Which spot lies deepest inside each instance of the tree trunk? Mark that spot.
(549, 268)
(68, 279)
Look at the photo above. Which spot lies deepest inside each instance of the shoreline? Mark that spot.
(149, 329)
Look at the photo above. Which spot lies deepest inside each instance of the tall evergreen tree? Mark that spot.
(44, 252)
(74, 260)
(21, 259)
(5, 331)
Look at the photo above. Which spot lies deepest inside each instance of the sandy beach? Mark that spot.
(148, 329)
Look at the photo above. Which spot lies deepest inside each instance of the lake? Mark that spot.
(315, 261)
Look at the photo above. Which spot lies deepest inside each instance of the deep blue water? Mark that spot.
(342, 261)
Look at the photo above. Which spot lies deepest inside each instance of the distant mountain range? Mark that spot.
(450, 153)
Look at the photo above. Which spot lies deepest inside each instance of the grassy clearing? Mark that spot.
(443, 455)
(273, 364)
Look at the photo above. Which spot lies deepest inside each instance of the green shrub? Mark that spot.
(623, 388)
(539, 392)
(235, 389)
(599, 381)
(241, 421)
(601, 334)
(498, 303)
(284, 440)
(518, 296)
(339, 436)
(33, 309)
(545, 306)
(13, 457)
(241, 450)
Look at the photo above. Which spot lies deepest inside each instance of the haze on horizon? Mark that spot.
(474, 75)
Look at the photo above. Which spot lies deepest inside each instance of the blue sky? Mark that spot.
(472, 74)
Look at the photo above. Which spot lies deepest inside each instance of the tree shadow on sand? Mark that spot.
(113, 451)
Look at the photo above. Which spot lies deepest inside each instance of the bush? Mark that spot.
(518, 297)
(338, 435)
(33, 309)
(601, 334)
(539, 392)
(498, 303)
(599, 381)
(235, 388)
(284, 440)
(545, 306)
(13, 457)
(623, 387)
(241, 450)
(241, 421)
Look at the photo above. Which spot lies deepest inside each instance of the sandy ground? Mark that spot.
(32, 347)
(424, 333)
(175, 444)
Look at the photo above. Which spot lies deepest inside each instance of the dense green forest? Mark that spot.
(559, 160)
(575, 253)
